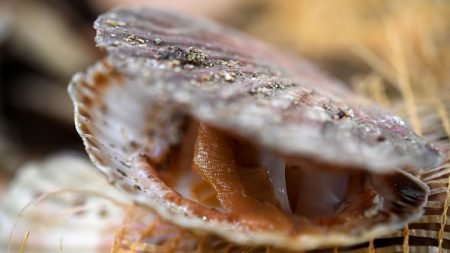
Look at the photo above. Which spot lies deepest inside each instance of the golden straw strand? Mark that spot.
(443, 115)
(371, 247)
(336, 249)
(402, 78)
(24, 242)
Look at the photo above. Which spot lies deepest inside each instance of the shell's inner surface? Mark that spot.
(243, 183)
(270, 191)
(318, 193)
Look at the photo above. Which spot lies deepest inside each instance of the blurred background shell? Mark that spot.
(60, 204)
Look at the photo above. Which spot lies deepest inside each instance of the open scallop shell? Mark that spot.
(171, 81)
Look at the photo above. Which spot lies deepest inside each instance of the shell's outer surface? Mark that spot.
(123, 128)
(70, 221)
(238, 84)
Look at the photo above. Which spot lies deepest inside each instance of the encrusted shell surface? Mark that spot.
(163, 68)
(234, 82)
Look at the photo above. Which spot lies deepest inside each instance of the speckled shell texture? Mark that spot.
(163, 68)
(239, 84)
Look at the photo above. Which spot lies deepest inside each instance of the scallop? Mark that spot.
(221, 134)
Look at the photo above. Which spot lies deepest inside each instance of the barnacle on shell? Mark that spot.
(220, 133)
